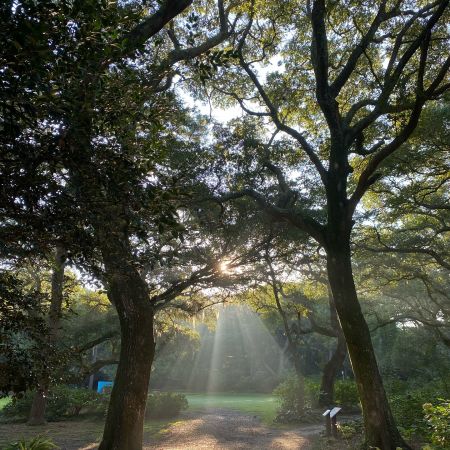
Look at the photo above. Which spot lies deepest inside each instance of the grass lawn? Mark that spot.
(262, 405)
(85, 432)
(75, 434)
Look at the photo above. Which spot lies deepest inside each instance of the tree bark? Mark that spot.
(332, 367)
(125, 419)
(331, 371)
(380, 427)
(128, 292)
(38, 407)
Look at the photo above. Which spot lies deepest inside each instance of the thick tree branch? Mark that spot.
(319, 58)
(424, 251)
(300, 220)
(204, 274)
(359, 50)
(105, 337)
(185, 54)
(273, 112)
(152, 25)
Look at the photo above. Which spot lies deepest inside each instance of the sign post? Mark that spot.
(333, 416)
(326, 414)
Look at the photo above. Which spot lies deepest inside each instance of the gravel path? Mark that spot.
(225, 429)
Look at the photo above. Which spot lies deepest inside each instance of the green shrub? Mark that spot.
(62, 402)
(36, 443)
(164, 405)
(346, 394)
(348, 430)
(312, 391)
(438, 419)
(408, 408)
(291, 394)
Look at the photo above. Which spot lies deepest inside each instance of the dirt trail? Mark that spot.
(225, 430)
(219, 429)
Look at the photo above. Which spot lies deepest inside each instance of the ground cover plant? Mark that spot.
(37, 443)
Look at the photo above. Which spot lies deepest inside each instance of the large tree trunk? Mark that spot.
(126, 412)
(380, 428)
(128, 292)
(38, 407)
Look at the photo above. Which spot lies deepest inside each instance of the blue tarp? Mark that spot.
(103, 384)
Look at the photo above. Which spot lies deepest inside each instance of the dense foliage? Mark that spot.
(23, 333)
(438, 418)
(63, 402)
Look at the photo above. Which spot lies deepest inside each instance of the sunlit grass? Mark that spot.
(263, 406)
(155, 428)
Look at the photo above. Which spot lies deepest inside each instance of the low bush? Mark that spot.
(312, 391)
(62, 402)
(163, 405)
(408, 410)
(293, 405)
(36, 443)
(348, 430)
(438, 419)
(346, 394)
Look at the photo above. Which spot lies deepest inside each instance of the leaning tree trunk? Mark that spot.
(38, 407)
(128, 292)
(335, 363)
(380, 427)
(331, 371)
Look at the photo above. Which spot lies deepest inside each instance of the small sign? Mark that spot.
(326, 412)
(334, 411)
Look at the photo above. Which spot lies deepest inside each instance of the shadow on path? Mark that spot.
(227, 429)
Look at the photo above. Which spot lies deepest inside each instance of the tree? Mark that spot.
(355, 79)
(301, 313)
(93, 154)
(410, 231)
(37, 413)
(23, 334)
